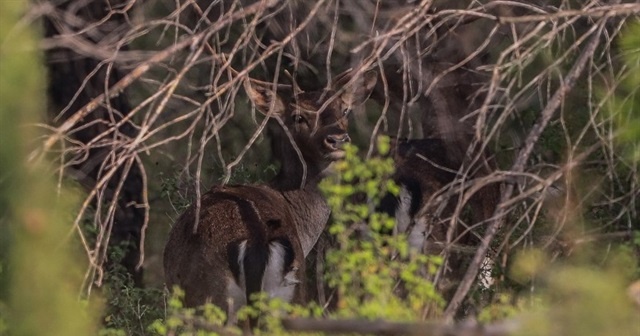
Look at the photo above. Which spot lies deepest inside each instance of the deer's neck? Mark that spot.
(309, 208)
(298, 183)
(296, 171)
(310, 213)
(296, 175)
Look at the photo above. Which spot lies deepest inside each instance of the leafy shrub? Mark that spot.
(129, 309)
(375, 273)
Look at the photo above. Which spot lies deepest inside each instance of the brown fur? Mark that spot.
(437, 171)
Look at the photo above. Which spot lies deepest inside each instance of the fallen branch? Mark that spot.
(381, 327)
(624, 235)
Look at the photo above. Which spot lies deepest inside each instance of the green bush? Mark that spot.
(375, 273)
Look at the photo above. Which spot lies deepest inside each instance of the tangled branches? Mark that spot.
(518, 91)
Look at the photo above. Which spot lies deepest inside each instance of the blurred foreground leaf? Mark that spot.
(40, 279)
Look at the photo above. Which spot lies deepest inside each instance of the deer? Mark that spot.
(424, 168)
(254, 238)
(418, 180)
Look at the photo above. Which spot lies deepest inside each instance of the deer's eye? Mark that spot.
(298, 118)
(346, 112)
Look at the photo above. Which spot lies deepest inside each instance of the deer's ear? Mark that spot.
(264, 97)
(359, 90)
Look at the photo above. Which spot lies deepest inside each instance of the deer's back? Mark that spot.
(422, 168)
(204, 262)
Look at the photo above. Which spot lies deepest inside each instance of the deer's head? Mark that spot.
(316, 121)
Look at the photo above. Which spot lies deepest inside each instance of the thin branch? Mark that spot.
(143, 68)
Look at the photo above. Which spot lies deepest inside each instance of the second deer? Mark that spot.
(423, 171)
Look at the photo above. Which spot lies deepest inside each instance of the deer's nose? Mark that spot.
(337, 140)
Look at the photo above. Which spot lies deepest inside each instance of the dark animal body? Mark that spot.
(419, 180)
(424, 168)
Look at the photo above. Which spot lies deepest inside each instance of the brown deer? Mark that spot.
(252, 238)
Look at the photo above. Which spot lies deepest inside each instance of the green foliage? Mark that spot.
(271, 312)
(636, 238)
(42, 278)
(247, 173)
(205, 320)
(375, 273)
(581, 298)
(129, 309)
(171, 191)
(624, 104)
(578, 296)
(4, 323)
(503, 308)
(210, 319)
